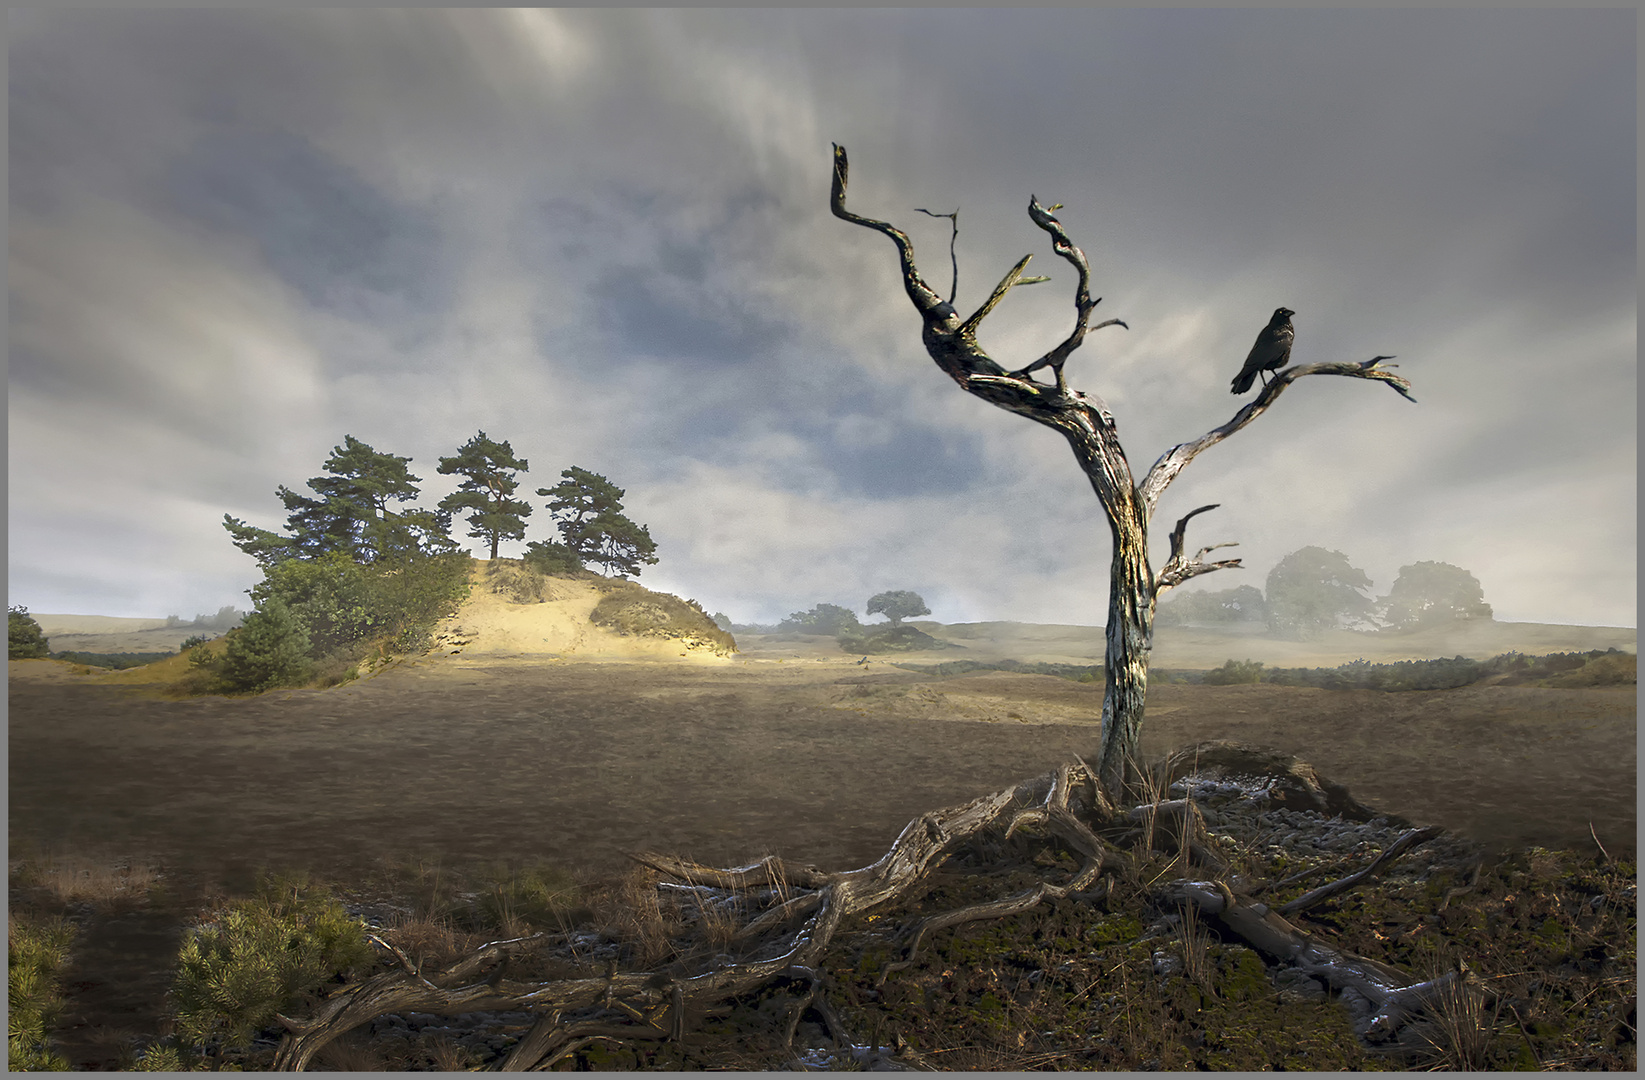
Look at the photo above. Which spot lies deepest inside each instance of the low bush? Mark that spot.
(263, 956)
(1234, 673)
(35, 953)
(270, 649)
(1610, 667)
(1563, 670)
(523, 581)
(1084, 673)
(549, 557)
(884, 639)
(629, 608)
(24, 638)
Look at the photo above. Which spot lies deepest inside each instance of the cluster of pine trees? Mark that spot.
(358, 571)
(354, 512)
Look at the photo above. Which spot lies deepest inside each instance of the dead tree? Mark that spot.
(785, 917)
(1084, 420)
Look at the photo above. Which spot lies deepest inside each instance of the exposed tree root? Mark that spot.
(772, 920)
(1382, 997)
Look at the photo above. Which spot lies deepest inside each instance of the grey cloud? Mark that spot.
(345, 246)
(603, 235)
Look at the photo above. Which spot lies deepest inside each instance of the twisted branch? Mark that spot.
(1174, 460)
(1177, 569)
(1064, 245)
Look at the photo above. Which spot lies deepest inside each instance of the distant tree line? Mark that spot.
(227, 618)
(842, 624)
(359, 572)
(1313, 590)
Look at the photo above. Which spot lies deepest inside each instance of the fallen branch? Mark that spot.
(789, 915)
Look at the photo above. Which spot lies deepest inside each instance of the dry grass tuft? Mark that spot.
(446, 1056)
(71, 879)
(1460, 1029)
(428, 941)
(633, 911)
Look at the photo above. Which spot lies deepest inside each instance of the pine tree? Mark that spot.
(588, 509)
(351, 515)
(487, 468)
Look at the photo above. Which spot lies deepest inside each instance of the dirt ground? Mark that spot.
(493, 751)
(481, 758)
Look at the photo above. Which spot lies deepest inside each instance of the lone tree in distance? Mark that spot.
(1313, 590)
(488, 470)
(1084, 420)
(897, 606)
(1433, 594)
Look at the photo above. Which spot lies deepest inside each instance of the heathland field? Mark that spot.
(529, 737)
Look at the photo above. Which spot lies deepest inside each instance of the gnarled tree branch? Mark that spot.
(1064, 245)
(1174, 460)
(1178, 569)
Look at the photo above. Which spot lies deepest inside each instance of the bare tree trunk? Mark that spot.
(1130, 635)
(1084, 420)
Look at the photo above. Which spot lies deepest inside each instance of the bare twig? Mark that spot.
(954, 288)
(1342, 885)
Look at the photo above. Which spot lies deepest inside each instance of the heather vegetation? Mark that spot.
(1110, 980)
(114, 661)
(627, 608)
(1610, 667)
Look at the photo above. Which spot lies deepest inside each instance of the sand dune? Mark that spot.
(490, 625)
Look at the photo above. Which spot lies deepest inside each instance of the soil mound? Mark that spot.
(515, 613)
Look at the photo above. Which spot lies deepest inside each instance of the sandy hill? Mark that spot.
(512, 614)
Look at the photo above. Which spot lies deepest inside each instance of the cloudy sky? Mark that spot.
(237, 237)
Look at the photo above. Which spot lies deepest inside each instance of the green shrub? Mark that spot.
(24, 638)
(270, 649)
(535, 897)
(261, 957)
(191, 642)
(552, 558)
(1610, 667)
(342, 604)
(1235, 672)
(630, 608)
(883, 639)
(35, 952)
(830, 619)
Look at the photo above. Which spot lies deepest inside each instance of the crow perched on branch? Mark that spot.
(1272, 350)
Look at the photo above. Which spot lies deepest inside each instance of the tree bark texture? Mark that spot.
(1084, 420)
